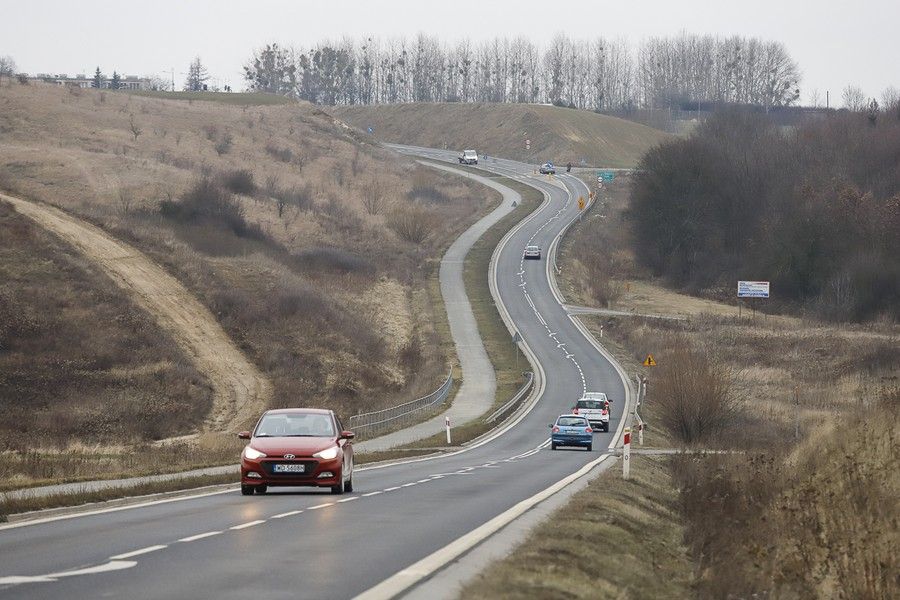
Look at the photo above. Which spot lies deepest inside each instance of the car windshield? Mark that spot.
(571, 422)
(295, 425)
(590, 404)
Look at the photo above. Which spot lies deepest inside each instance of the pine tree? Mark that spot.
(116, 81)
(98, 79)
(197, 76)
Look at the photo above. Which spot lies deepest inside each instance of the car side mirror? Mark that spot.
(244, 435)
(347, 435)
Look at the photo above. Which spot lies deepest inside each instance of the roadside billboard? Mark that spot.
(753, 289)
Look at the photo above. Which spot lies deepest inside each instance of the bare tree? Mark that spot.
(853, 97)
(135, 130)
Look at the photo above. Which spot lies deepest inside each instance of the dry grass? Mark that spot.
(295, 268)
(557, 134)
(615, 539)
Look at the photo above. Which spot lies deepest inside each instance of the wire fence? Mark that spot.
(372, 424)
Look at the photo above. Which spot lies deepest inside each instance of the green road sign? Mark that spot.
(605, 176)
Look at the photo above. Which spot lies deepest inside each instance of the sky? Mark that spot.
(836, 43)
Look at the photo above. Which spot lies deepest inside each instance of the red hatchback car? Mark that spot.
(297, 447)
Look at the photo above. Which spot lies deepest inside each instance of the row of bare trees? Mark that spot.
(600, 74)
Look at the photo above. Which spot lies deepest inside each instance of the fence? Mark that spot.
(502, 412)
(374, 423)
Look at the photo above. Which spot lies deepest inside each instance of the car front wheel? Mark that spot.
(246, 490)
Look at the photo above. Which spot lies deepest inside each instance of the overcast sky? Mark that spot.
(835, 42)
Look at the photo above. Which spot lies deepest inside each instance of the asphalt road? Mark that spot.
(308, 544)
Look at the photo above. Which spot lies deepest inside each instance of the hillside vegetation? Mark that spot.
(806, 506)
(557, 134)
(312, 246)
(815, 210)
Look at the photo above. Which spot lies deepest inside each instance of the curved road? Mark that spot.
(309, 544)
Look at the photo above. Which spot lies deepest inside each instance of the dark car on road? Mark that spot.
(297, 447)
(571, 430)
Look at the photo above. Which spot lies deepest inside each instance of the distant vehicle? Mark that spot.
(571, 430)
(297, 447)
(532, 253)
(548, 169)
(468, 157)
(594, 406)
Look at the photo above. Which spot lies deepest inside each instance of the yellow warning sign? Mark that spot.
(581, 202)
(649, 361)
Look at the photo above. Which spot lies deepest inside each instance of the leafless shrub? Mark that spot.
(211, 132)
(125, 200)
(373, 197)
(693, 395)
(207, 202)
(411, 224)
(283, 154)
(135, 130)
(427, 193)
(333, 259)
(239, 181)
(74, 90)
(299, 197)
(223, 146)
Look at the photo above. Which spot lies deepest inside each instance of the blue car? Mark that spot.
(571, 430)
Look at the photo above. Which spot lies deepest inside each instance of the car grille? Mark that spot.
(269, 467)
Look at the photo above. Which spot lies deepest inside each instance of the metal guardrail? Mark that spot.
(513, 403)
(373, 423)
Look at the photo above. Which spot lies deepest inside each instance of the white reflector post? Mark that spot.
(447, 421)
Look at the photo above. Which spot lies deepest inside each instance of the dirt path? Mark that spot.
(240, 390)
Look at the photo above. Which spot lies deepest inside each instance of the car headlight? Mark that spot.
(252, 454)
(327, 453)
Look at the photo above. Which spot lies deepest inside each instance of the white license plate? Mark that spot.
(290, 468)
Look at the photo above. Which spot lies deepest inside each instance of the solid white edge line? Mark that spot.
(246, 525)
(199, 536)
(402, 580)
(137, 552)
(112, 509)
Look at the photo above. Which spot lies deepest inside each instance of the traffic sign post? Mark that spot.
(580, 202)
(516, 339)
(626, 454)
(649, 361)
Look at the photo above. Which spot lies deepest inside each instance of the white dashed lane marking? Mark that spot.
(138, 552)
(246, 525)
(199, 536)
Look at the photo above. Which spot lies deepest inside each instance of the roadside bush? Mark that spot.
(223, 146)
(427, 193)
(333, 259)
(411, 224)
(208, 203)
(240, 181)
(282, 154)
(693, 395)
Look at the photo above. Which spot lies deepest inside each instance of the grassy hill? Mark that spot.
(557, 134)
(314, 248)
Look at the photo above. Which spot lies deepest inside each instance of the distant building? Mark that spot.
(125, 83)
